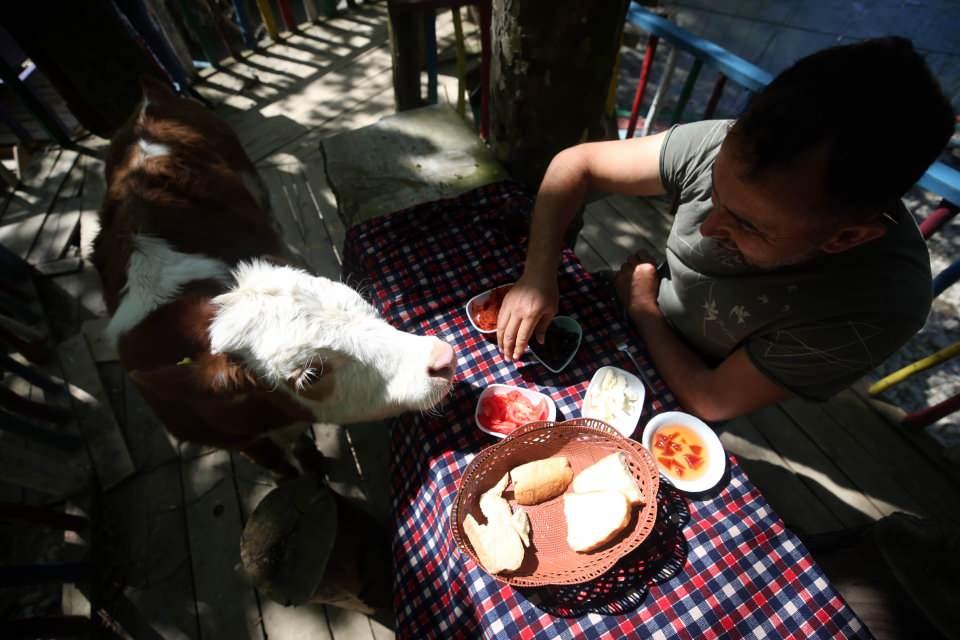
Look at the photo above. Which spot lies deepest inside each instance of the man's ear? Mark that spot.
(853, 235)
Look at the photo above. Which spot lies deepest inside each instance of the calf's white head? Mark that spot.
(322, 342)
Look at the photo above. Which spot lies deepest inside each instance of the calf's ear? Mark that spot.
(209, 373)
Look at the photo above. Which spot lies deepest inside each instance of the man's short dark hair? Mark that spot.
(875, 104)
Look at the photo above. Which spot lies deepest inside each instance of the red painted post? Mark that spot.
(715, 97)
(288, 20)
(930, 415)
(941, 216)
(642, 84)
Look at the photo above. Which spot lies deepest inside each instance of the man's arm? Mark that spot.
(629, 167)
(734, 388)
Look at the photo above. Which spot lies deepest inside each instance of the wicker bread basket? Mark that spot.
(549, 560)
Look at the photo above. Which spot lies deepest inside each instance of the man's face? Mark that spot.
(772, 220)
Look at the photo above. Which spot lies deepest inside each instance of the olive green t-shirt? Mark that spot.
(812, 328)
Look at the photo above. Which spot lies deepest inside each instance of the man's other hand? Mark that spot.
(637, 284)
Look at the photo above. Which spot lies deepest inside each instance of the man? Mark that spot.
(792, 266)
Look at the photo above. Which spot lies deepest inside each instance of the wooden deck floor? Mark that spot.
(175, 522)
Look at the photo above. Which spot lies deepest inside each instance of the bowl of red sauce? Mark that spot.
(483, 309)
(686, 451)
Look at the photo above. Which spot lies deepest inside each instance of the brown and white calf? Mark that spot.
(226, 339)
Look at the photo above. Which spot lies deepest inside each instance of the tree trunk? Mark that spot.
(550, 78)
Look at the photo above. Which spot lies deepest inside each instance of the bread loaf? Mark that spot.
(540, 480)
(594, 518)
(609, 474)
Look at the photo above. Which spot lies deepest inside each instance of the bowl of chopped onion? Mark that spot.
(616, 397)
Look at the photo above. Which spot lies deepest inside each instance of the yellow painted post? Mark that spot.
(924, 363)
(266, 14)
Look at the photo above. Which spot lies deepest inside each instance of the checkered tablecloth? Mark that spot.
(745, 574)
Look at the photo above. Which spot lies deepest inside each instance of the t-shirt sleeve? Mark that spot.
(819, 359)
(688, 151)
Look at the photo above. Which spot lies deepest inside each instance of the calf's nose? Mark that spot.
(443, 361)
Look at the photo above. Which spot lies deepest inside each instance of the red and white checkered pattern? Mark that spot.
(746, 575)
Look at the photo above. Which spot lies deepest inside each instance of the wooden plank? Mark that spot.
(381, 631)
(830, 484)
(296, 623)
(147, 521)
(793, 500)
(105, 441)
(650, 216)
(316, 244)
(891, 416)
(589, 256)
(61, 222)
(149, 442)
(610, 234)
(910, 468)
(226, 605)
(84, 290)
(62, 266)
(872, 473)
(32, 465)
(325, 203)
(370, 442)
(102, 348)
(348, 625)
(303, 231)
(280, 208)
(307, 147)
(25, 215)
(320, 102)
(343, 475)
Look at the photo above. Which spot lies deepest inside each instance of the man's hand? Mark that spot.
(637, 285)
(527, 310)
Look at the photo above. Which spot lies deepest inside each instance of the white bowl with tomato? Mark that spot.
(686, 451)
(483, 308)
(503, 408)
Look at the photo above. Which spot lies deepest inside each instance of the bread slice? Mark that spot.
(541, 480)
(609, 474)
(492, 504)
(498, 547)
(499, 544)
(594, 518)
(521, 524)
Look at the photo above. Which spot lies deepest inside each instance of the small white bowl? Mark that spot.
(564, 322)
(625, 423)
(533, 396)
(480, 298)
(716, 457)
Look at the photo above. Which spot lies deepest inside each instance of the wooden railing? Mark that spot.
(939, 178)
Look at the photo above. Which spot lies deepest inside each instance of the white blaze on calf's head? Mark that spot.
(295, 331)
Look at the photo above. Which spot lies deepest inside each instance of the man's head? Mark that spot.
(824, 152)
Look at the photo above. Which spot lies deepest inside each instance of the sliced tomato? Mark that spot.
(504, 412)
(544, 409)
(693, 461)
(696, 449)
